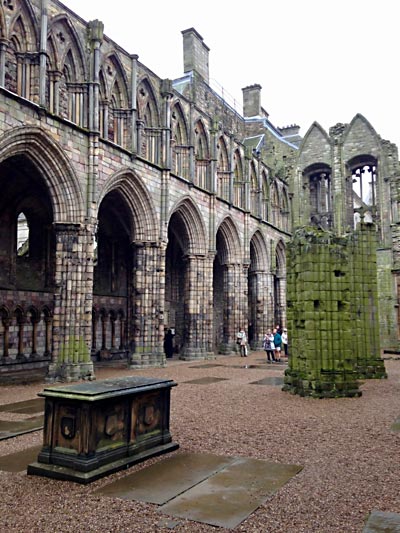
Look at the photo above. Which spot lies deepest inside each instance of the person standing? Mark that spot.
(285, 341)
(169, 344)
(241, 340)
(278, 345)
(269, 346)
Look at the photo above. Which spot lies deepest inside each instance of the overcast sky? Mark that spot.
(316, 60)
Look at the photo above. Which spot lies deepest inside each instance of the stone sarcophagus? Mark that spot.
(93, 429)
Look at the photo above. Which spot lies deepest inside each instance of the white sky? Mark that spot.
(316, 60)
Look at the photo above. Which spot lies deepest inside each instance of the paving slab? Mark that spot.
(18, 461)
(166, 479)
(27, 407)
(12, 429)
(270, 380)
(205, 380)
(231, 495)
(379, 522)
(207, 365)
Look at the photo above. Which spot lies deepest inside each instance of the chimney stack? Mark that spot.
(195, 54)
(252, 101)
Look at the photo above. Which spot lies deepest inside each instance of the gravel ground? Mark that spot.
(349, 454)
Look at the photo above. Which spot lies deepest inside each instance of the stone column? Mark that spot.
(134, 69)
(43, 54)
(3, 48)
(72, 322)
(198, 292)
(147, 325)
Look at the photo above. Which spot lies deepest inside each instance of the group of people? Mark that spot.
(274, 342)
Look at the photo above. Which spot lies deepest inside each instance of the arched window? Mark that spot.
(179, 143)
(254, 192)
(202, 156)
(238, 184)
(223, 174)
(363, 177)
(265, 195)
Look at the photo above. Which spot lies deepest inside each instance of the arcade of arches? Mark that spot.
(131, 204)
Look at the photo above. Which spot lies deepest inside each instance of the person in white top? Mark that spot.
(241, 340)
(285, 341)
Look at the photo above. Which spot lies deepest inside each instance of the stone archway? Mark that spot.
(258, 293)
(229, 308)
(27, 263)
(188, 299)
(112, 288)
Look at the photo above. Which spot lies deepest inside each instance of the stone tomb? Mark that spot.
(93, 429)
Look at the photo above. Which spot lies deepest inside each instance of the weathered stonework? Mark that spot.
(332, 312)
(152, 203)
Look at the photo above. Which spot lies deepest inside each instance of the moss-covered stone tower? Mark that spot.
(332, 312)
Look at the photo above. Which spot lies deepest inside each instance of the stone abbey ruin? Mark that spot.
(131, 204)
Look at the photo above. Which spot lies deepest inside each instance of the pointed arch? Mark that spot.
(179, 127)
(265, 204)
(143, 226)
(254, 190)
(258, 252)
(147, 104)
(238, 179)
(180, 142)
(67, 42)
(280, 256)
(228, 244)
(275, 203)
(54, 166)
(223, 170)
(202, 155)
(193, 238)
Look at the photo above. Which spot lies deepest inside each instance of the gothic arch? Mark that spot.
(25, 14)
(147, 104)
(316, 144)
(179, 125)
(116, 81)
(358, 128)
(193, 237)
(201, 141)
(68, 44)
(56, 169)
(144, 220)
(230, 245)
(258, 252)
(280, 254)
(238, 177)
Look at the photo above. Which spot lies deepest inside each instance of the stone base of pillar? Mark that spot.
(146, 360)
(68, 372)
(330, 385)
(228, 349)
(372, 369)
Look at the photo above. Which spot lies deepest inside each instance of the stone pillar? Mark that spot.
(327, 290)
(3, 49)
(365, 304)
(198, 331)
(72, 322)
(134, 69)
(147, 328)
(43, 54)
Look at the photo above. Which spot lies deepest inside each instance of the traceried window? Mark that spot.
(318, 178)
(364, 193)
(238, 184)
(201, 156)
(223, 173)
